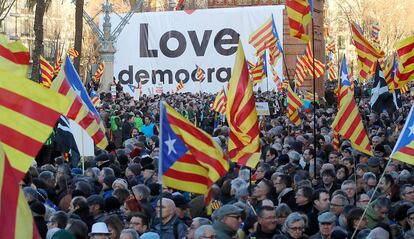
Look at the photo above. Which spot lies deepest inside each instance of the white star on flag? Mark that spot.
(344, 77)
(170, 144)
(411, 130)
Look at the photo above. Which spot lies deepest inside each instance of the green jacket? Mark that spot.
(223, 231)
(115, 123)
(372, 217)
(138, 123)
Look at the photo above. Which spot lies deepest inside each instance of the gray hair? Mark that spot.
(292, 218)
(130, 232)
(199, 232)
(237, 183)
(294, 156)
(244, 174)
(283, 210)
(342, 198)
(348, 182)
(383, 202)
(202, 221)
(46, 176)
(141, 190)
(369, 175)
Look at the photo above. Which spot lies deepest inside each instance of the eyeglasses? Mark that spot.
(336, 205)
(408, 193)
(326, 223)
(296, 228)
(209, 237)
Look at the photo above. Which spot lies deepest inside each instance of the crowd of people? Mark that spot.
(303, 187)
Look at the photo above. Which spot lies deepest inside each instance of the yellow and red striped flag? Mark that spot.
(14, 55)
(244, 142)
(15, 215)
(47, 72)
(294, 104)
(405, 52)
(260, 38)
(348, 123)
(331, 71)
(180, 86)
(257, 71)
(308, 59)
(299, 15)
(200, 76)
(331, 47)
(300, 72)
(191, 160)
(99, 72)
(368, 55)
(389, 75)
(82, 111)
(73, 53)
(219, 104)
(57, 65)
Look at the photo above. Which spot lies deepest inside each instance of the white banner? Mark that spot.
(163, 48)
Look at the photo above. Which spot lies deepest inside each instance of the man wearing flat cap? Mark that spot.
(227, 220)
(327, 222)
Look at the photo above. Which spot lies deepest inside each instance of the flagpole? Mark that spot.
(370, 199)
(314, 91)
(160, 159)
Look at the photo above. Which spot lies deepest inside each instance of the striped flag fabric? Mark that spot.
(219, 104)
(308, 59)
(82, 111)
(14, 55)
(300, 71)
(331, 47)
(261, 38)
(299, 16)
(57, 65)
(180, 86)
(405, 53)
(267, 37)
(73, 53)
(389, 74)
(99, 72)
(344, 82)
(348, 123)
(367, 54)
(28, 114)
(191, 160)
(200, 75)
(331, 71)
(375, 32)
(15, 215)
(257, 71)
(241, 114)
(294, 103)
(47, 72)
(96, 101)
(404, 148)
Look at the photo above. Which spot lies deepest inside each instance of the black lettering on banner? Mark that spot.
(180, 72)
(129, 73)
(222, 39)
(210, 72)
(162, 74)
(143, 76)
(223, 70)
(200, 48)
(143, 42)
(182, 44)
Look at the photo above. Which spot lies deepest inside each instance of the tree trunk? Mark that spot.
(38, 29)
(78, 32)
